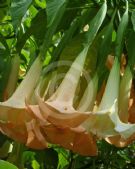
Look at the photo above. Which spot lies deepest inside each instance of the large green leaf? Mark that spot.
(66, 38)
(39, 21)
(52, 8)
(121, 33)
(95, 24)
(103, 51)
(55, 10)
(78, 22)
(131, 48)
(6, 165)
(18, 10)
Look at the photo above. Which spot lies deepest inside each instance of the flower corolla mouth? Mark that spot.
(123, 126)
(59, 109)
(99, 121)
(71, 138)
(105, 122)
(14, 113)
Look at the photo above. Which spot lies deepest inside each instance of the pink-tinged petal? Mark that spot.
(118, 141)
(71, 118)
(18, 133)
(75, 139)
(59, 109)
(35, 137)
(85, 144)
(13, 112)
(34, 110)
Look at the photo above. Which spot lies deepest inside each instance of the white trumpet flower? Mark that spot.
(105, 122)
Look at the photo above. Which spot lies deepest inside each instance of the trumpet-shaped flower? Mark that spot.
(75, 139)
(99, 122)
(105, 122)
(14, 116)
(58, 120)
(58, 109)
(124, 111)
(67, 137)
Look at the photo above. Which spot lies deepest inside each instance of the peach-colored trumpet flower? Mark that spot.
(58, 109)
(14, 116)
(63, 120)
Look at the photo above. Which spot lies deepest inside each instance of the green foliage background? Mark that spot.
(30, 26)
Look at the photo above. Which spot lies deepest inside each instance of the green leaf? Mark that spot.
(38, 21)
(121, 32)
(18, 10)
(41, 3)
(133, 19)
(66, 38)
(55, 10)
(35, 165)
(103, 51)
(53, 7)
(76, 23)
(3, 41)
(6, 165)
(131, 48)
(62, 160)
(70, 52)
(95, 24)
(28, 157)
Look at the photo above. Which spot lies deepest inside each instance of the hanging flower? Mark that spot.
(14, 115)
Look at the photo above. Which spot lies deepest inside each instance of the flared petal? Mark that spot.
(118, 141)
(126, 112)
(13, 113)
(71, 118)
(74, 139)
(35, 137)
(99, 122)
(58, 109)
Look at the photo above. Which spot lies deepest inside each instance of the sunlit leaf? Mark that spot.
(18, 10)
(53, 7)
(6, 165)
(38, 21)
